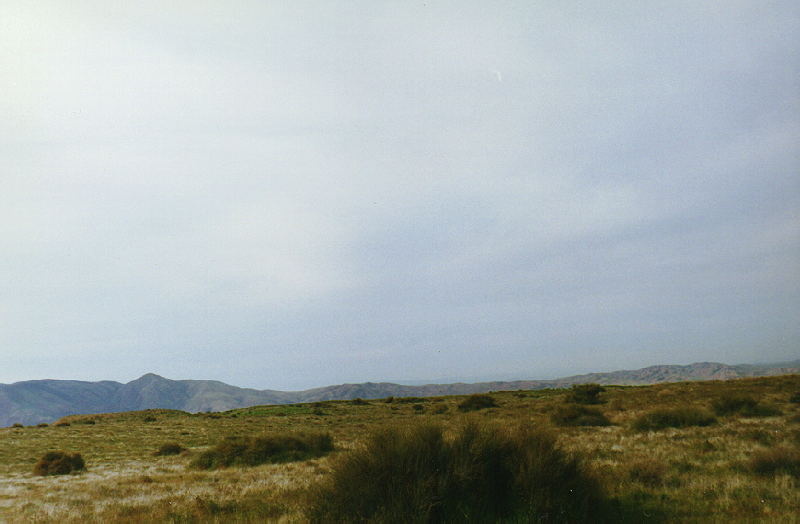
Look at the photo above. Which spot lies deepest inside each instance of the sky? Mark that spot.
(285, 195)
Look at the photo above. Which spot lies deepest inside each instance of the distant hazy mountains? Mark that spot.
(36, 401)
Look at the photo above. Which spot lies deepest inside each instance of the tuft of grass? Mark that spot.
(252, 451)
(170, 448)
(577, 415)
(483, 473)
(673, 418)
(476, 402)
(649, 472)
(774, 461)
(59, 463)
(743, 405)
(585, 393)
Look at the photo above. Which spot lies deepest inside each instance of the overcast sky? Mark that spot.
(294, 194)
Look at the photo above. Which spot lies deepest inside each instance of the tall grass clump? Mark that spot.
(743, 405)
(776, 460)
(673, 418)
(482, 473)
(170, 448)
(59, 463)
(252, 451)
(585, 393)
(577, 415)
(476, 402)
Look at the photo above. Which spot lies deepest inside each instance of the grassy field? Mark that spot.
(739, 467)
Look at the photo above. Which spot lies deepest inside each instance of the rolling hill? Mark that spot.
(36, 401)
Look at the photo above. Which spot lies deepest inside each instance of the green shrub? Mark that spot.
(795, 397)
(481, 474)
(585, 393)
(743, 405)
(17, 425)
(418, 408)
(252, 451)
(576, 415)
(476, 402)
(359, 401)
(171, 448)
(776, 460)
(673, 418)
(59, 463)
(410, 400)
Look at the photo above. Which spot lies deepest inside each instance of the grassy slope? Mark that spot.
(682, 474)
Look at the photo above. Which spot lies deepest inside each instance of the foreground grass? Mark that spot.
(690, 473)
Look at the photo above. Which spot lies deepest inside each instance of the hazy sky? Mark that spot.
(295, 194)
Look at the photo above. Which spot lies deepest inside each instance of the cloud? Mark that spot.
(351, 186)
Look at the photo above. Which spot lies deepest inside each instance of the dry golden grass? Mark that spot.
(686, 474)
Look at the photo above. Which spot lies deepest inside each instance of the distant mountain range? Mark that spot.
(37, 401)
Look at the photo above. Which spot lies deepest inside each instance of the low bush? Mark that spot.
(482, 473)
(673, 418)
(170, 448)
(585, 393)
(743, 405)
(410, 400)
(42, 425)
(252, 451)
(17, 425)
(649, 472)
(776, 460)
(59, 463)
(359, 401)
(795, 397)
(476, 402)
(577, 415)
(62, 424)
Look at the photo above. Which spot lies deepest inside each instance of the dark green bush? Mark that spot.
(481, 474)
(17, 425)
(743, 405)
(476, 402)
(359, 401)
(795, 397)
(585, 393)
(673, 418)
(410, 400)
(59, 463)
(576, 415)
(776, 460)
(170, 448)
(252, 451)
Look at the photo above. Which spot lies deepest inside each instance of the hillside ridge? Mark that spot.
(36, 401)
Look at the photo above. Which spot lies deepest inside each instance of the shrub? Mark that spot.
(17, 425)
(673, 418)
(649, 472)
(480, 474)
(388, 400)
(88, 421)
(795, 397)
(410, 400)
(42, 425)
(585, 393)
(171, 448)
(252, 451)
(418, 408)
(575, 415)
(62, 424)
(59, 463)
(476, 402)
(776, 460)
(359, 401)
(743, 405)
(149, 418)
